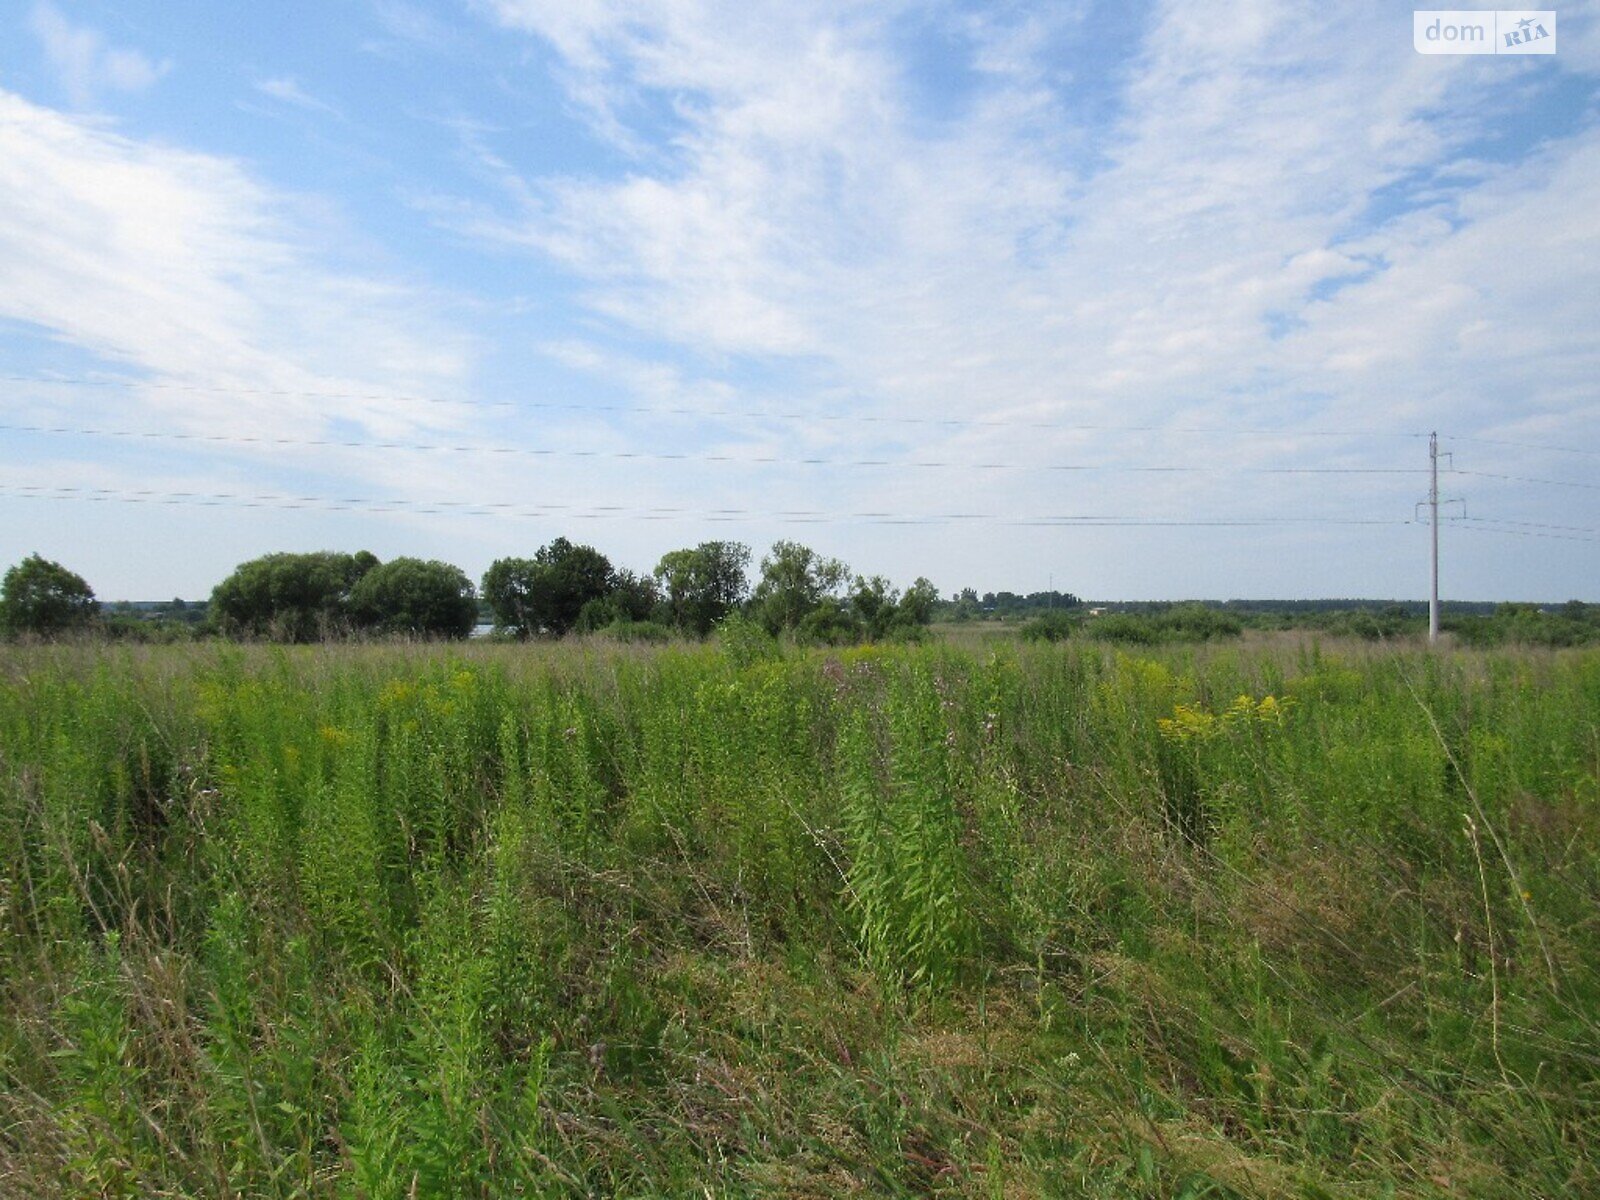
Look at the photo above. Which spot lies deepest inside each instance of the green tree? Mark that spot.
(546, 593)
(917, 606)
(632, 599)
(705, 584)
(410, 596)
(965, 605)
(45, 599)
(508, 589)
(884, 612)
(829, 623)
(874, 602)
(289, 597)
(794, 580)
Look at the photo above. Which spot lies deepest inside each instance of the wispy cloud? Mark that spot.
(290, 92)
(802, 214)
(180, 266)
(1172, 229)
(410, 25)
(86, 65)
(1093, 229)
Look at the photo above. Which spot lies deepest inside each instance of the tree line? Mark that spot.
(566, 588)
(561, 588)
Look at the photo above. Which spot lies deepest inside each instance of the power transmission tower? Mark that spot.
(1433, 503)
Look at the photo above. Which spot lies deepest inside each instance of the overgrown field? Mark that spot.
(1019, 921)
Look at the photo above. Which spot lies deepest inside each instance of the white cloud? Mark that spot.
(86, 65)
(1239, 160)
(180, 266)
(1017, 261)
(802, 213)
(290, 92)
(1490, 324)
(1181, 238)
(409, 25)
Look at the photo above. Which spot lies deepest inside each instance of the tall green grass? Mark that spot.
(1264, 920)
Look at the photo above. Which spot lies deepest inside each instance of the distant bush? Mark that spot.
(1196, 623)
(1373, 626)
(1123, 627)
(828, 624)
(1050, 626)
(636, 631)
(120, 627)
(1574, 624)
(745, 641)
(1184, 623)
(900, 634)
(599, 614)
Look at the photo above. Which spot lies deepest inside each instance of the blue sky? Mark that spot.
(1138, 300)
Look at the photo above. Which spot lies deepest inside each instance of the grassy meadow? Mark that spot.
(984, 919)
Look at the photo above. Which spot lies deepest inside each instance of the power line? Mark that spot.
(593, 512)
(1489, 527)
(1485, 441)
(1531, 524)
(280, 500)
(1567, 483)
(670, 456)
(711, 413)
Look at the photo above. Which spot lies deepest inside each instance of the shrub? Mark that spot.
(636, 631)
(828, 624)
(289, 597)
(1185, 623)
(1197, 623)
(410, 596)
(1049, 626)
(1123, 627)
(745, 641)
